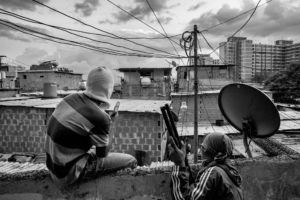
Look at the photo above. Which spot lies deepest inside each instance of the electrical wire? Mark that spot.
(64, 14)
(235, 17)
(67, 30)
(75, 43)
(130, 14)
(240, 28)
(162, 28)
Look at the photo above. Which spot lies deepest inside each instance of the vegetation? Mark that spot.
(285, 85)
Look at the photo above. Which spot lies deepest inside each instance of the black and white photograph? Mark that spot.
(149, 100)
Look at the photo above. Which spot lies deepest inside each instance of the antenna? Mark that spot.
(250, 111)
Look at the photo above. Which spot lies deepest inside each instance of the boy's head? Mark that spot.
(100, 85)
(216, 146)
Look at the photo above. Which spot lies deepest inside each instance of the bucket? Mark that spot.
(50, 90)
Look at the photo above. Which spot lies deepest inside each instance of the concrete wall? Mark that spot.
(156, 91)
(269, 179)
(23, 129)
(208, 77)
(34, 80)
(8, 93)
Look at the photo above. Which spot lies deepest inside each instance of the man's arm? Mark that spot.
(180, 186)
(202, 190)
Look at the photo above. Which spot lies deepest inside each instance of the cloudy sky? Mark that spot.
(88, 32)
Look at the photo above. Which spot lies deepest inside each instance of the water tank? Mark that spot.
(145, 81)
(50, 90)
(82, 85)
(3, 75)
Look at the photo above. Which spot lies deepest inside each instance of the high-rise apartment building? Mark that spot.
(237, 51)
(258, 60)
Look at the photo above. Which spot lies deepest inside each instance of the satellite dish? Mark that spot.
(249, 110)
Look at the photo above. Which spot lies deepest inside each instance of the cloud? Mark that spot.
(87, 7)
(20, 4)
(32, 55)
(142, 10)
(270, 22)
(7, 32)
(195, 7)
(11, 33)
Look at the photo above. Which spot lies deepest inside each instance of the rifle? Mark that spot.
(172, 130)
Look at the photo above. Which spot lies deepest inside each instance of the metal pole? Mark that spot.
(195, 97)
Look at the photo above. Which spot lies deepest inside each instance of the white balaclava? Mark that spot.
(100, 85)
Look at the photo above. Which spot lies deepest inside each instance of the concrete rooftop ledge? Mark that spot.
(264, 178)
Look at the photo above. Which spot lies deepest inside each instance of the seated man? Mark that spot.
(217, 179)
(78, 133)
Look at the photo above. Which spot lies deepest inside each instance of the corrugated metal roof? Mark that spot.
(192, 93)
(207, 92)
(129, 105)
(47, 71)
(188, 130)
(144, 67)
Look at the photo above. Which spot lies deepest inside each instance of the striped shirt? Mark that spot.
(76, 124)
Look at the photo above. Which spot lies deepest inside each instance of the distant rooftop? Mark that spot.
(129, 105)
(133, 69)
(48, 71)
(203, 66)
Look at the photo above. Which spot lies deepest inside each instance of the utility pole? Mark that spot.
(196, 96)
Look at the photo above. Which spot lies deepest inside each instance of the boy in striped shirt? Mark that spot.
(78, 133)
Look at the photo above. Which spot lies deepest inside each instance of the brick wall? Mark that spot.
(23, 129)
(208, 108)
(138, 131)
(156, 91)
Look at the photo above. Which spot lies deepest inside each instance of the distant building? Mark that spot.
(48, 72)
(238, 51)
(209, 77)
(9, 74)
(258, 61)
(146, 83)
(205, 59)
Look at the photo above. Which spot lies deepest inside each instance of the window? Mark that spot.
(185, 75)
(24, 76)
(41, 76)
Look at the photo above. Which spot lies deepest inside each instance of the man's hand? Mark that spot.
(113, 115)
(177, 155)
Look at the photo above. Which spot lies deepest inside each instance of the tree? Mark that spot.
(285, 85)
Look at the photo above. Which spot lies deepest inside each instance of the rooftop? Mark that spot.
(129, 105)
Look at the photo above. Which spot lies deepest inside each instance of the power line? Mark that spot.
(81, 31)
(239, 29)
(235, 17)
(162, 28)
(53, 9)
(74, 43)
(165, 36)
(67, 30)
